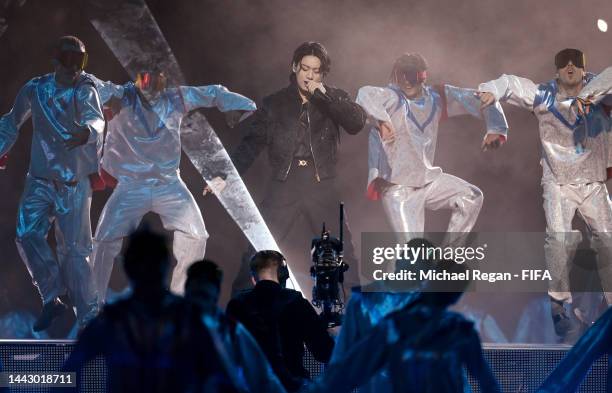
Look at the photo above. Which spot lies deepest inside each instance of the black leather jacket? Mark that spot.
(276, 125)
(282, 322)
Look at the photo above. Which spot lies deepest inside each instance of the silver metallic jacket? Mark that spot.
(575, 150)
(149, 148)
(408, 160)
(54, 108)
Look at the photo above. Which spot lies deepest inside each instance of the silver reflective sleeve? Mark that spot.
(512, 89)
(12, 121)
(599, 87)
(375, 101)
(461, 101)
(107, 89)
(89, 114)
(215, 96)
(378, 163)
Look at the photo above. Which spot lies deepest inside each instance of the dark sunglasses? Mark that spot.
(563, 58)
(73, 60)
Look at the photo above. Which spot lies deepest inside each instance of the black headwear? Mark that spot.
(566, 55)
(146, 258)
(70, 52)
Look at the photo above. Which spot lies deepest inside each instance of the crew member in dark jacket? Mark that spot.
(300, 126)
(281, 320)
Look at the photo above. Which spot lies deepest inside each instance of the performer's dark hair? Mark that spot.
(265, 259)
(311, 48)
(402, 264)
(71, 41)
(204, 271)
(408, 63)
(147, 256)
(448, 292)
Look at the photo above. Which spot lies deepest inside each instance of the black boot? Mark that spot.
(567, 326)
(50, 311)
(560, 318)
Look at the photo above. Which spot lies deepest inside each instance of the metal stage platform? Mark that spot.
(518, 368)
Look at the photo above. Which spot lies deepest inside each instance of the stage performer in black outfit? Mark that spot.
(300, 126)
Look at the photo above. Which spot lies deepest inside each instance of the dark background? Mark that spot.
(247, 46)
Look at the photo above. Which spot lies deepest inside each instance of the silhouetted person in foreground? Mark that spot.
(368, 305)
(202, 287)
(281, 320)
(423, 346)
(594, 343)
(152, 341)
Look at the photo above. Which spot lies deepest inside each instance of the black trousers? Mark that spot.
(295, 211)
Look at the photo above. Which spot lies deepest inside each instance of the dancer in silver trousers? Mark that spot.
(402, 145)
(576, 152)
(142, 154)
(66, 146)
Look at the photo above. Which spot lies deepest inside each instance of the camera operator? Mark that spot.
(281, 320)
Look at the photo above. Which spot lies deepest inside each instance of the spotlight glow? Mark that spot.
(602, 25)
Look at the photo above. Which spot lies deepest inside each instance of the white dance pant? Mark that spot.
(122, 214)
(561, 203)
(405, 206)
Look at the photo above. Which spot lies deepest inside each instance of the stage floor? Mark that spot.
(517, 367)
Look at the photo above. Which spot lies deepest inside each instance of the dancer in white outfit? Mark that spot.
(576, 152)
(142, 153)
(407, 115)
